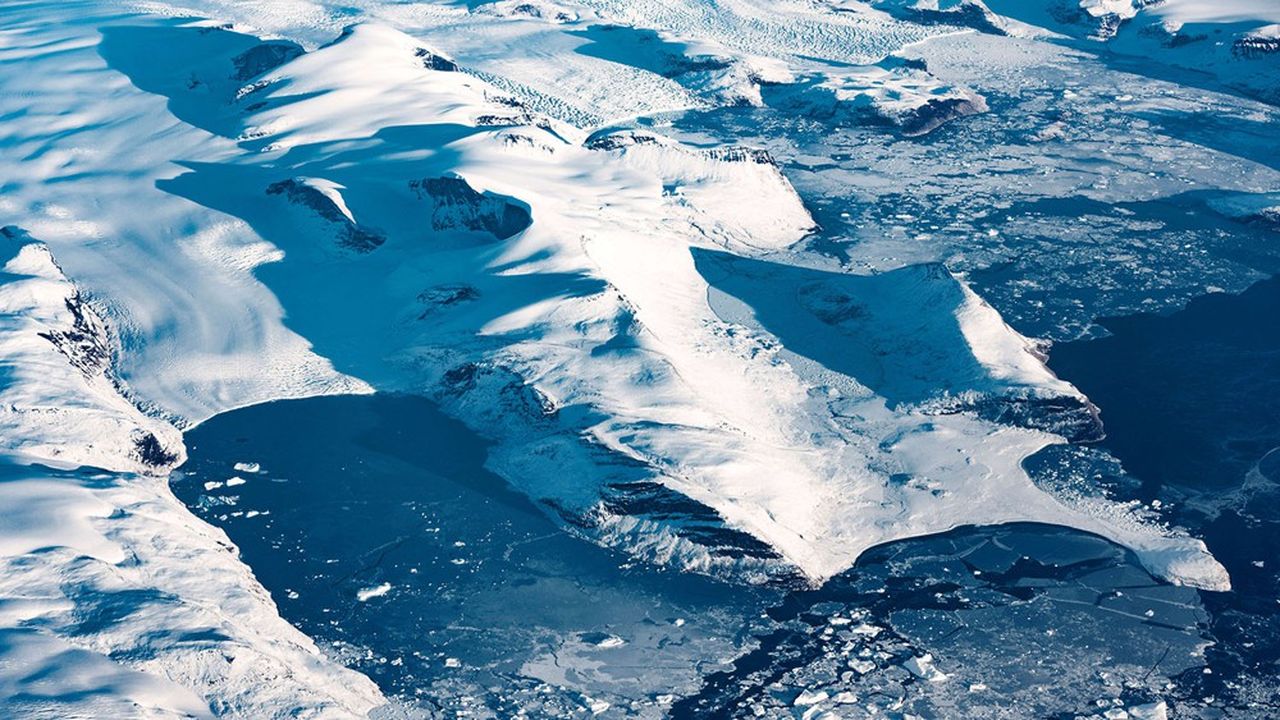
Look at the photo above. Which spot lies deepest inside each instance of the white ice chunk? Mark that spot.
(369, 593)
(810, 697)
(922, 667)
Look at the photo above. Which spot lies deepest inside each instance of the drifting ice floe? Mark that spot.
(366, 594)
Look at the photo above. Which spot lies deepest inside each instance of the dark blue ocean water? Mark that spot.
(377, 530)
(1191, 405)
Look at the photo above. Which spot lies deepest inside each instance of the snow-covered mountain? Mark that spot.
(204, 214)
(117, 601)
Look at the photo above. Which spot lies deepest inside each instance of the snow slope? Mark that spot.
(117, 602)
(58, 404)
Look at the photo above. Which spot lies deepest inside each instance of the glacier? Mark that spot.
(213, 205)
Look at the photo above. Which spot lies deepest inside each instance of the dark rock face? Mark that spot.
(1253, 46)
(1269, 218)
(742, 155)
(350, 235)
(533, 11)
(1072, 418)
(85, 344)
(679, 65)
(694, 521)
(826, 105)
(461, 379)
(437, 298)
(1108, 26)
(969, 15)
(935, 113)
(630, 491)
(1180, 39)
(494, 120)
(731, 551)
(505, 100)
(150, 451)
(519, 114)
(264, 58)
(735, 154)
(457, 206)
(432, 61)
(619, 141)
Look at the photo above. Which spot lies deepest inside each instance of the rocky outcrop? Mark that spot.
(432, 61)
(967, 13)
(1073, 418)
(457, 206)
(440, 297)
(739, 154)
(1255, 46)
(350, 235)
(923, 119)
(264, 58)
(619, 141)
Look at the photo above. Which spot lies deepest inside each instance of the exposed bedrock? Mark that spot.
(457, 206)
(350, 235)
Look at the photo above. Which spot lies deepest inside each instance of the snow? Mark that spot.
(922, 667)
(1150, 711)
(1124, 9)
(612, 641)
(118, 601)
(116, 595)
(42, 513)
(1217, 38)
(1181, 12)
(862, 667)
(58, 403)
(710, 54)
(810, 697)
(607, 262)
(43, 677)
(198, 335)
(905, 96)
(367, 594)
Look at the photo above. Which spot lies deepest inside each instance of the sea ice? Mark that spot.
(365, 594)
